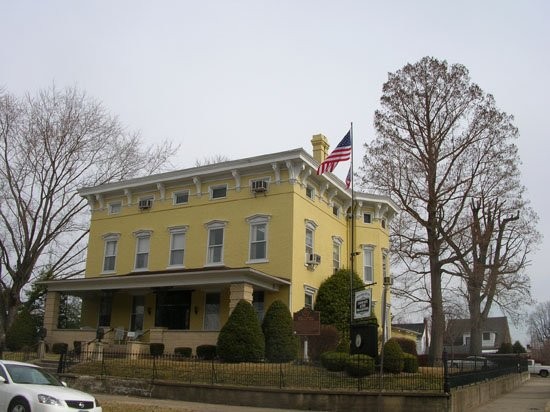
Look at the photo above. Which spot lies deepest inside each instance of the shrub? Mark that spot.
(326, 341)
(206, 352)
(359, 365)
(410, 363)
(59, 347)
(517, 347)
(280, 341)
(334, 361)
(241, 339)
(333, 300)
(505, 347)
(156, 349)
(184, 352)
(23, 331)
(393, 357)
(407, 345)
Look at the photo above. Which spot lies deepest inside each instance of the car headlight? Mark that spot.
(49, 400)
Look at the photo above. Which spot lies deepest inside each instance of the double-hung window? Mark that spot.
(111, 246)
(309, 294)
(216, 232)
(143, 242)
(310, 240)
(258, 238)
(368, 276)
(177, 245)
(336, 248)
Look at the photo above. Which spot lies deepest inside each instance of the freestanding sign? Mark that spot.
(307, 322)
(362, 307)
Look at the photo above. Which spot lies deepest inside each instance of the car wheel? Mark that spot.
(19, 405)
(544, 374)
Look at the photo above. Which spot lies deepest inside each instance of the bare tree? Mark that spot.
(51, 144)
(539, 324)
(492, 263)
(210, 160)
(438, 137)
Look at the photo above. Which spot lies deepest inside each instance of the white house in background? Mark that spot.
(495, 332)
(420, 332)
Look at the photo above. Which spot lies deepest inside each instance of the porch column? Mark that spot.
(51, 311)
(238, 291)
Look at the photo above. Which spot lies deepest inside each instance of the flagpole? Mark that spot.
(352, 243)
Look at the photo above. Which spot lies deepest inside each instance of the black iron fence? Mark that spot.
(448, 373)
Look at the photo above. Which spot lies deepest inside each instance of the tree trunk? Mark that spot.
(438, 321)
(476, 323)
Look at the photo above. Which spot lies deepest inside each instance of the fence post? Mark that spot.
(446, 382)
(154, 369)
(61, 362)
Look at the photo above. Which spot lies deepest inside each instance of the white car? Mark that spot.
(25, 387)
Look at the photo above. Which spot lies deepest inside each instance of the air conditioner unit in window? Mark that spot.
(145, 204)
(313, 259)
(259, 186)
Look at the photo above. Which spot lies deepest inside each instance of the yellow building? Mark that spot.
(170, 255)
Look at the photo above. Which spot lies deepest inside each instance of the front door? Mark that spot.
(138, 311)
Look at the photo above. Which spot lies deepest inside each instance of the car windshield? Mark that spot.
(32, 375)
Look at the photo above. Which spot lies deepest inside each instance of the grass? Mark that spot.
(116, 406)
(292, 375)
(287, 375)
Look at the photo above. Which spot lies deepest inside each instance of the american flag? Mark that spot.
(348, 179)
(341, 153)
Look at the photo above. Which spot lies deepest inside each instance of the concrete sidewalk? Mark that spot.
(533, 395)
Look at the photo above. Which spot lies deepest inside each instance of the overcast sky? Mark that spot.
(244, 78)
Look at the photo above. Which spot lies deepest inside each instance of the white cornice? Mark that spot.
(296, 161)
(194, 278)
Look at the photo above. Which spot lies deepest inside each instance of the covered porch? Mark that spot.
(179, 308)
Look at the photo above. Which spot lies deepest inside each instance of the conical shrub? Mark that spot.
(241, 338)
(280, 342)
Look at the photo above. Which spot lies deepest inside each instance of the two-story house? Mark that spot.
(494, 332)
(170, 255)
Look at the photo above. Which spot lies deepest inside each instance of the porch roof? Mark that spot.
(184, 278)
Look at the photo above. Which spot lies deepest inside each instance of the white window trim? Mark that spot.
(254, 220)
(178, 192)
(311, 291)
(371, 218)
(369, 248)
(309, 225)
(215, 224)
(313, 192)
(109, 237)
(111, 204)
(212, 188)
(137, 235)
(337, 240)
(174, 230)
